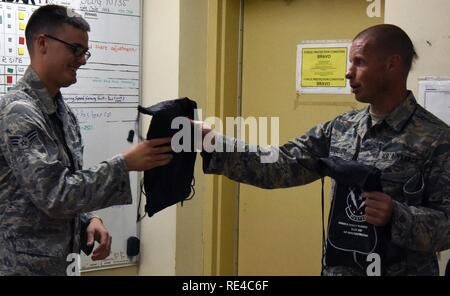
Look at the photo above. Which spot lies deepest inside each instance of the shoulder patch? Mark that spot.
(23, 142)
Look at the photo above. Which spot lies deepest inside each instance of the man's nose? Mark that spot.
(82, 60)
(350, 73)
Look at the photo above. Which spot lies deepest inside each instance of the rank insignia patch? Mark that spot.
(23, 142)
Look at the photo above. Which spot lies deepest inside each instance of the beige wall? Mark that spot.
(189, 227)
(161, 32)
(428, 25)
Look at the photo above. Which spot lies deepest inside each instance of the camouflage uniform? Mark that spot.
(411, 147)
(43, 189)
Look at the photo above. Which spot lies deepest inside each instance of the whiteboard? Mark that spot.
(104, 99)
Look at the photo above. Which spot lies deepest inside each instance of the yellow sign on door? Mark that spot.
(322, 68)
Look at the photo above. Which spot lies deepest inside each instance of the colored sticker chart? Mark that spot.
(13, 20)
(9, 75)
(14, 57)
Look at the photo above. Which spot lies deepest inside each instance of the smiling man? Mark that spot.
(44, 190)
(402, 219)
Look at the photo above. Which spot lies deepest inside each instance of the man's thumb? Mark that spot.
(90, 238)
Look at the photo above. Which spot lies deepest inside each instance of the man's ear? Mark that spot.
(41, 44)
(395, 62)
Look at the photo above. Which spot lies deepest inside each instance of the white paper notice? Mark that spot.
(434, 95)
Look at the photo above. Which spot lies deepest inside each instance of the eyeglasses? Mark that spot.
(77, 50)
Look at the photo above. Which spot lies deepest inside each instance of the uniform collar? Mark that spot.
(398, 118)
(39, 91)
(362, 118)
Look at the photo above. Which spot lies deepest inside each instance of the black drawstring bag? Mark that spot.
(173, 183)
(350, 238)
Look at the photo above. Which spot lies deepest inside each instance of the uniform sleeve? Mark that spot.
(426, 228)
(33, 158)
(86, 217)
(289, 165)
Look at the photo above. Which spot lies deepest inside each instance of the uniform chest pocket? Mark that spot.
(404, 180)
(410, 187)
(413, 190)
